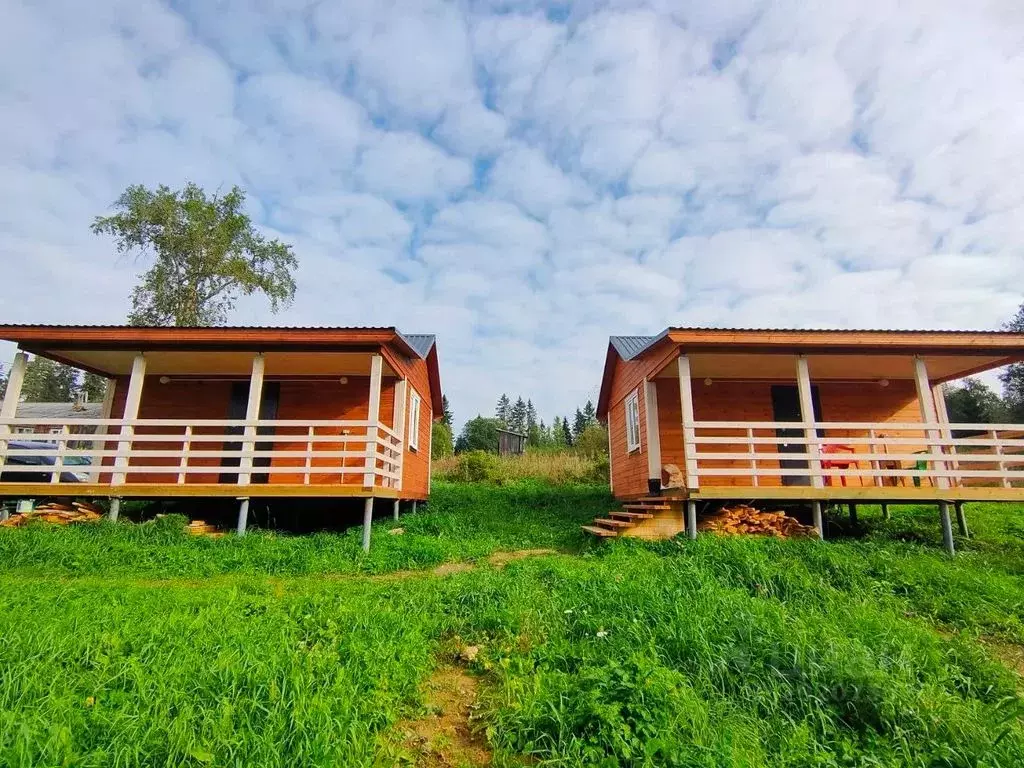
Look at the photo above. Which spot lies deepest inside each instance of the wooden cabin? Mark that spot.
(239, 413)
(701, 414)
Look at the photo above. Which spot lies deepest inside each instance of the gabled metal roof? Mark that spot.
(629, 347)
(420, 342)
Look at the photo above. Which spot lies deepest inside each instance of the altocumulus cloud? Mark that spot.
(524, 179)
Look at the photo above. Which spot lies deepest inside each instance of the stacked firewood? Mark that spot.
(202, 528)
(55, 512)
(741, 518)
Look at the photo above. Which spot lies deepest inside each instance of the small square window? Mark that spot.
(633, 421)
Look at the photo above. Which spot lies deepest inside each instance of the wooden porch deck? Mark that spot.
(200, 490)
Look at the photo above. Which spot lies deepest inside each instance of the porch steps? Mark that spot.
(620, 521)
(608, 522)
(631, 515)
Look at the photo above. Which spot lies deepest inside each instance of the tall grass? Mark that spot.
(555, 467)
(719, 652)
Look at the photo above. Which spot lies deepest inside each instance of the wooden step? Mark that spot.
(648, 507)
(609, 523)
(603, 532)
(630, 515)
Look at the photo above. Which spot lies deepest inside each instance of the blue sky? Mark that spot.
(524, 179)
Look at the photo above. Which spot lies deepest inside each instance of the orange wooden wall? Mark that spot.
(734, 401)
(313, 400)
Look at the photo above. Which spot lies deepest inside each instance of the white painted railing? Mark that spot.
(180, 451)
(857, 453)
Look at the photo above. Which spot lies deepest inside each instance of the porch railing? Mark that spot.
(118, 451)
(855, 453)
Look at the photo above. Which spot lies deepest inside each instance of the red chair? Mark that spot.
(839, 457)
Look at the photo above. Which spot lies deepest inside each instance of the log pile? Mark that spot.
(202, 528)
(741, 518)
(55, 512)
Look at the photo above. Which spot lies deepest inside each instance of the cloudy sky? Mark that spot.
(524, 179)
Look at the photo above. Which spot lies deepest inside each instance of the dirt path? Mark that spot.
(495, 559)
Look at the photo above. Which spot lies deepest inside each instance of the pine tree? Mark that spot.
(503, 411)
(446, 413)
(566, 432)
(557, 435)
(48, 382)
(589, 414)
(517, 417)
(579, 423)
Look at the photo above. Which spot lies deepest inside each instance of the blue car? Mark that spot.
(35, 464)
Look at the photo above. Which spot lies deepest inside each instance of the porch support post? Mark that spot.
(939, 398)
(885, 511)
(395, 510)
(414, 506)
(99, 445)
(819, 524)
(131, 412)
(115, 509)
(373, 417)
(803, 380)
(653, 432)
(947, 528)
(689, 433)
(691, 519)
(929, 416)
(9, 408)
(243, 517)
(853, 513)
(401, 396)
(252, 413)
(367, 522)
(961, 519)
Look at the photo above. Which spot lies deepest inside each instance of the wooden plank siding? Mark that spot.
(751, 401)
(415, 464)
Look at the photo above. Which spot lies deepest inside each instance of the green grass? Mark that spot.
(719, 652)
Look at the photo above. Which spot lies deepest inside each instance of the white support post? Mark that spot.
(309, 457)
(9, 408)
(186, 446)
(252, 414)
(373, 417)
(752, 450)
(653, 431)
(115, 509)
(99, 445)
(243, 517)
(947, 528)
(929, 416)
(689, 433)
(875, 466)
(819, 524)
(398, 422)
(395, 510)
(939, 398)
(998, 450)
(413, 506)
(58, 459)
(691, 519)
(367, 523)
(131, 412)
(803, 380)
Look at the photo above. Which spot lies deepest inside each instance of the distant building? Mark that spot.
(511, 443)
(44, 422)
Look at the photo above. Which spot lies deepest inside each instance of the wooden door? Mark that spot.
(786, 407)
(237, 406)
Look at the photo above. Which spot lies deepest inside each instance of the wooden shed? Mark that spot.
(240, 412)
(697, 414)
(511, 443)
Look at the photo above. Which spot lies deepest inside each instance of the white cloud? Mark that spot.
(525, 183)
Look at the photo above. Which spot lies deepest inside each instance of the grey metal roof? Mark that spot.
(59, 411)
(629, 347)
(421, 342)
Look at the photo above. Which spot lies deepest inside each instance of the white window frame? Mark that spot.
(414, 419)
(632, 408)
(23, 430)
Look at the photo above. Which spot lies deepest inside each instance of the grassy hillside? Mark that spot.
(133, 645)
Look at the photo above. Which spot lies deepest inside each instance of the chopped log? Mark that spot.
(744, 519)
